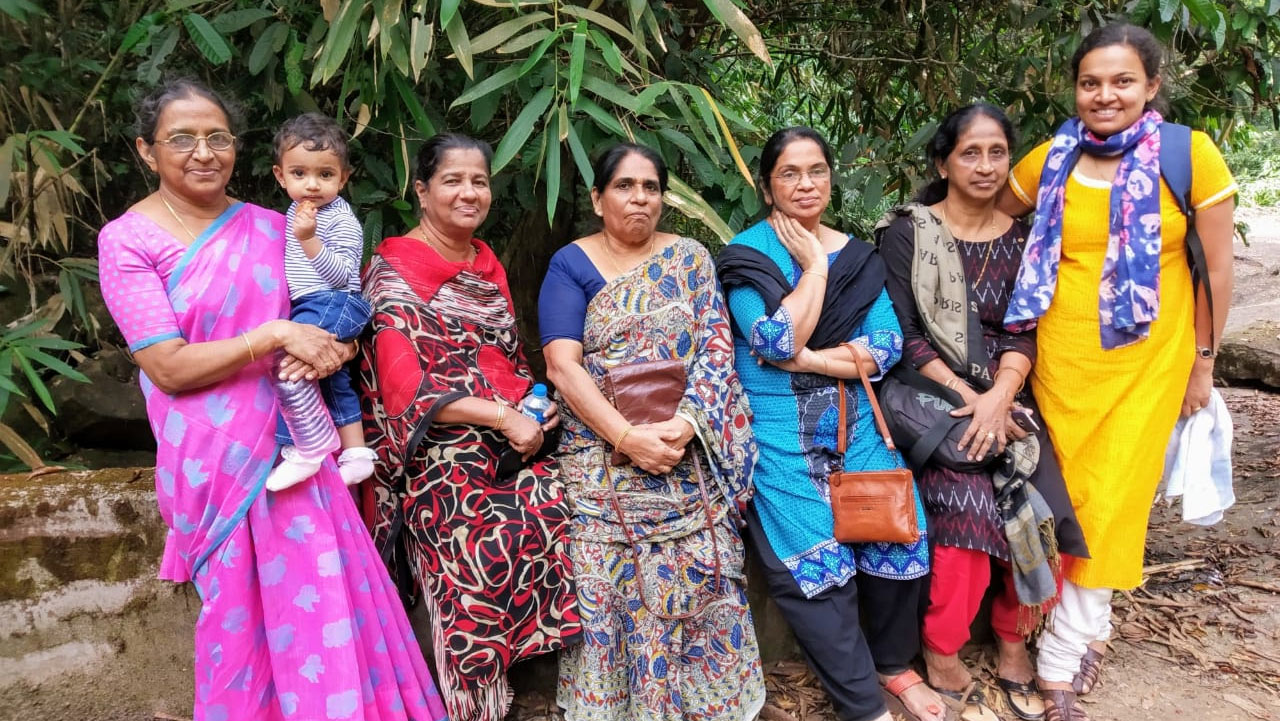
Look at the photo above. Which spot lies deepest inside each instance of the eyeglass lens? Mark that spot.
(184, 142)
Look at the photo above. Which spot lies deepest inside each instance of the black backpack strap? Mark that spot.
(1175, 167)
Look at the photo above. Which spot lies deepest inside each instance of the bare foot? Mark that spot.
(946, 672)
(920, 701)
(1014, 663)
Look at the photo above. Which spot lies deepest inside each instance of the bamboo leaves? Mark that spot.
(733, 17)
(521, 128)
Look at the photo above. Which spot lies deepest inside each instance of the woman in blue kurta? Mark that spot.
(797, 291)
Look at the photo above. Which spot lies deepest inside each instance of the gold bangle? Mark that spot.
(951, 384)
(814, 272)
(502, 415)
(1022, 380)
(618, 443)
(253, 358)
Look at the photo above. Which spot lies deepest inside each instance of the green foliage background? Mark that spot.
(549, 83)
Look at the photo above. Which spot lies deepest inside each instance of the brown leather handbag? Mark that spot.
(871, 506)
(647, 392)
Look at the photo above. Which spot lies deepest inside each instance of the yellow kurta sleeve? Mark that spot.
(1211, 180)
(1024, 181)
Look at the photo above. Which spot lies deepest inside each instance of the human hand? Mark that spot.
(804, 246)
(293, 369)
(647, 448)
(806, 360)
(550, 417)
(523, 433)
(1199, 386)
(675, 431)
(314, 347)
(987, 429)
(304, 221)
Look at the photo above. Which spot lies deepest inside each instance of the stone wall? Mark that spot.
(87, 631)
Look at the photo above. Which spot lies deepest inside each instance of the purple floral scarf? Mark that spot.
(1129, 294)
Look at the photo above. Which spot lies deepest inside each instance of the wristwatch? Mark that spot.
(1206, 352)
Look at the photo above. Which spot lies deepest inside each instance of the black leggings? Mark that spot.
(828, 629)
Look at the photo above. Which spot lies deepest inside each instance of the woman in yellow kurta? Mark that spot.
(1124, 340)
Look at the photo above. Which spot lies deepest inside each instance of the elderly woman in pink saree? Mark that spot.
(299, 618)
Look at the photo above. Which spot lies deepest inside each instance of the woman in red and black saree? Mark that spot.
(298, 620)
(466, 512)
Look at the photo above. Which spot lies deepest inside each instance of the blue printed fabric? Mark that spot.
(1129, 291)
(796, 418)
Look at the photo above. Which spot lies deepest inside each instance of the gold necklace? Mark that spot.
(604, 240)
(990, 243)
(471, 248)
(177, 217)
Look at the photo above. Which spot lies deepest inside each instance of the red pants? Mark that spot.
(960, 580)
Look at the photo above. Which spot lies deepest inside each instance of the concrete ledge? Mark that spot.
(87, 631)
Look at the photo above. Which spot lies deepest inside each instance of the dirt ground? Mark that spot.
(1196, 641)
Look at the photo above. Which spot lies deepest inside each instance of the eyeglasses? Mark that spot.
(791, 176)
(186, 142)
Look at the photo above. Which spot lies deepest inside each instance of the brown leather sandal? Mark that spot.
(1090, 670)
(1060, 705)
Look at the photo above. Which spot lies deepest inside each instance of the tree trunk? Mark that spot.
(526, 255)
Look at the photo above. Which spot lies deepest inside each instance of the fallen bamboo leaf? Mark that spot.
(1183, 565)
(1245, 704)
(773, 713)
(1256, 585)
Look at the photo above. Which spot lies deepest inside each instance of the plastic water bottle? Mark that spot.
(537, 404)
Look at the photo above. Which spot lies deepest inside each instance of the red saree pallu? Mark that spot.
(487, 554)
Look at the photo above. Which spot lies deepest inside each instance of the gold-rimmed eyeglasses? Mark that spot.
(186, 142)
(792, 176)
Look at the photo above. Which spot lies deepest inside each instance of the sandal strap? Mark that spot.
(903, 681)
(1090, 669)
(1064, 706)
(1028, 689)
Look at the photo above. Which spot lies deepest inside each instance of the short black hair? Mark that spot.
(778, 142)
(948, 135)
(150, 106)
(606, 166)
(318, 131)
(433, 151)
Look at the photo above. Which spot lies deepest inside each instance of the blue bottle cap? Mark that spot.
(539, 390)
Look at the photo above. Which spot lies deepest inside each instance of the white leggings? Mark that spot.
(1081, 617)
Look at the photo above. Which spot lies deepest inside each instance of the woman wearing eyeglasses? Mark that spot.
(288, 583)
(798, 290)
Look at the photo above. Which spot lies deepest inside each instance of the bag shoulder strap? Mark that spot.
(842, 432)
(1175, 163)
(1175, 168)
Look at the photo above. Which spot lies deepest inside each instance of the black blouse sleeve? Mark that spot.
(897, 246)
